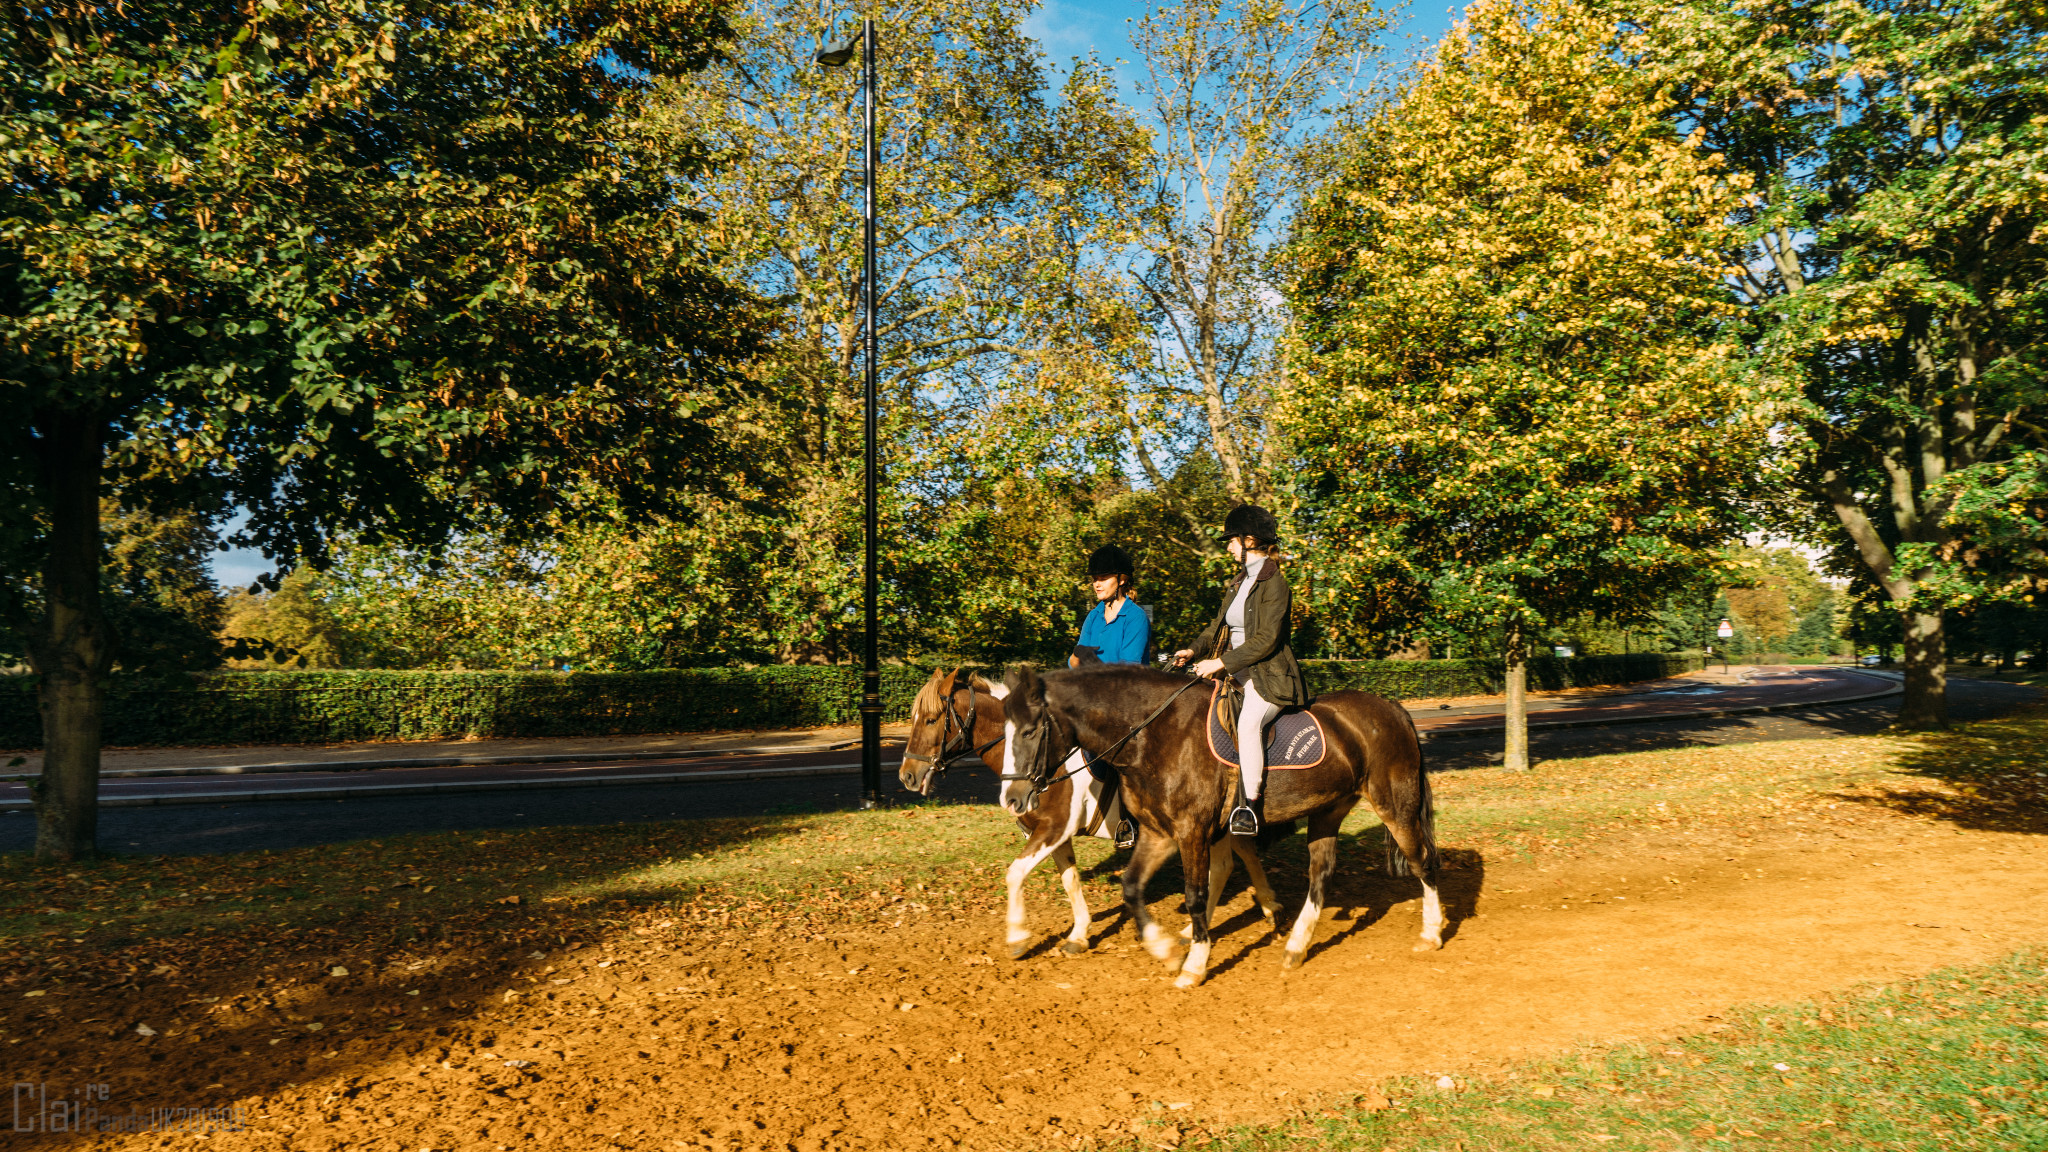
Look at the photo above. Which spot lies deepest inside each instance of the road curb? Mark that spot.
(375, 791)
(1710, 714)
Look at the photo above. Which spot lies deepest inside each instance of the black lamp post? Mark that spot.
(838, 56)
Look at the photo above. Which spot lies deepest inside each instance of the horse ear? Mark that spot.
(1025, 684)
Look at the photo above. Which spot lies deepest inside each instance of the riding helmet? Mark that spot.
(1110, 560)
(1252, 520)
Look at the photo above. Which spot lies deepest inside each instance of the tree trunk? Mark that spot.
(71, 647)
(1517, 757)
(1925, 706)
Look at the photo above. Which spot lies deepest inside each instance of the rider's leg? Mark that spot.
(1251, 758)
(1251, 740)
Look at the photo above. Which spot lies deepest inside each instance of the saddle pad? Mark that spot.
(1296, 740)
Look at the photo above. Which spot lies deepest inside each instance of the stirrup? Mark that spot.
(1126, 833)
(1243, 821)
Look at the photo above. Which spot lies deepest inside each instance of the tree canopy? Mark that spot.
(348, 267)
(1514, 398)
(1890, 258)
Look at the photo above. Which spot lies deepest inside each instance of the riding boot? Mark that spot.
(1244, 819)
(1126, 833)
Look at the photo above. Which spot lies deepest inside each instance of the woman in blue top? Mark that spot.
(1117, 630)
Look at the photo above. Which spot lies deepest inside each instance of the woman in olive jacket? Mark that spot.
(1255, 615)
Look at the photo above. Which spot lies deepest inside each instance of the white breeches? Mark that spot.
(1251, 740)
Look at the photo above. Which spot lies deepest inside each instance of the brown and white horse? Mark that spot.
(959, 716)
(1173, 786)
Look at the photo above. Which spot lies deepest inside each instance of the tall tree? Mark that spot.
(1236, 95)
(349, 266)
(1511, 397)
(1891, 255)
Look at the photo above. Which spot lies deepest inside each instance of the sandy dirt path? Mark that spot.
(912, 1036)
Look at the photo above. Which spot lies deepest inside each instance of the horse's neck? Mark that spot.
(1117, 719)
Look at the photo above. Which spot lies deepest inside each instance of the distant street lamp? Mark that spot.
(838, 56)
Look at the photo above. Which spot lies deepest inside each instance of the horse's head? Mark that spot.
(936, 724)
(1035, 742)
(943, 720)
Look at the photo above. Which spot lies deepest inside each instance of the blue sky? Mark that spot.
(1067, 28)
(1071, 28)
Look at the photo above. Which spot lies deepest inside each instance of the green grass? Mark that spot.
(1955, 1060)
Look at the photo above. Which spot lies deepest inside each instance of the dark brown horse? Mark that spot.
(1177, 791)
(958, 716)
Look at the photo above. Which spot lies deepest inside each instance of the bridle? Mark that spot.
(954, 727)
(1044, 764)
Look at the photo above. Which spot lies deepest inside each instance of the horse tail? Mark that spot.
(1397, 864)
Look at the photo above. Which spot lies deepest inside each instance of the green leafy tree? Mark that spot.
(292, 623)
(350, 267)
(162, 602)
(1511, 398)
(1892, 261)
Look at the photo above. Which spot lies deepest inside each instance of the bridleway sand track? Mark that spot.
(911, 1036)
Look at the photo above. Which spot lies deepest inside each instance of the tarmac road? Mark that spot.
(236, 827)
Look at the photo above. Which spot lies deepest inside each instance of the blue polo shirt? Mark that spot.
(1120, 641)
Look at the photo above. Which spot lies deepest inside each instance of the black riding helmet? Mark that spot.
(1252, 520)
(1110, 560)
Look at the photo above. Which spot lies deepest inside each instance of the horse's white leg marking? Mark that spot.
(1158, 939)
(1070, 877)
(1196, 968)
(1019, 869)
(1304, 932)
(1269, 904)
(1432, 919)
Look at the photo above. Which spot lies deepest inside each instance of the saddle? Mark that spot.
(1294, 737)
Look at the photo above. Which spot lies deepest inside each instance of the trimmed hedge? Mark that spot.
(1428, 679)
(339, 707)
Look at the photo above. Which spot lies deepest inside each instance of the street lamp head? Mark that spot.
(838, 55)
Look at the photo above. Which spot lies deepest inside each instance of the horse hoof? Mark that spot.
(1173, 959)
(1429, 945)
(1074, 947)
(1188, 980)
(1292, 961)
(1017, 951)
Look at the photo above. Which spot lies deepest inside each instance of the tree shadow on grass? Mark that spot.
(1989, 776)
